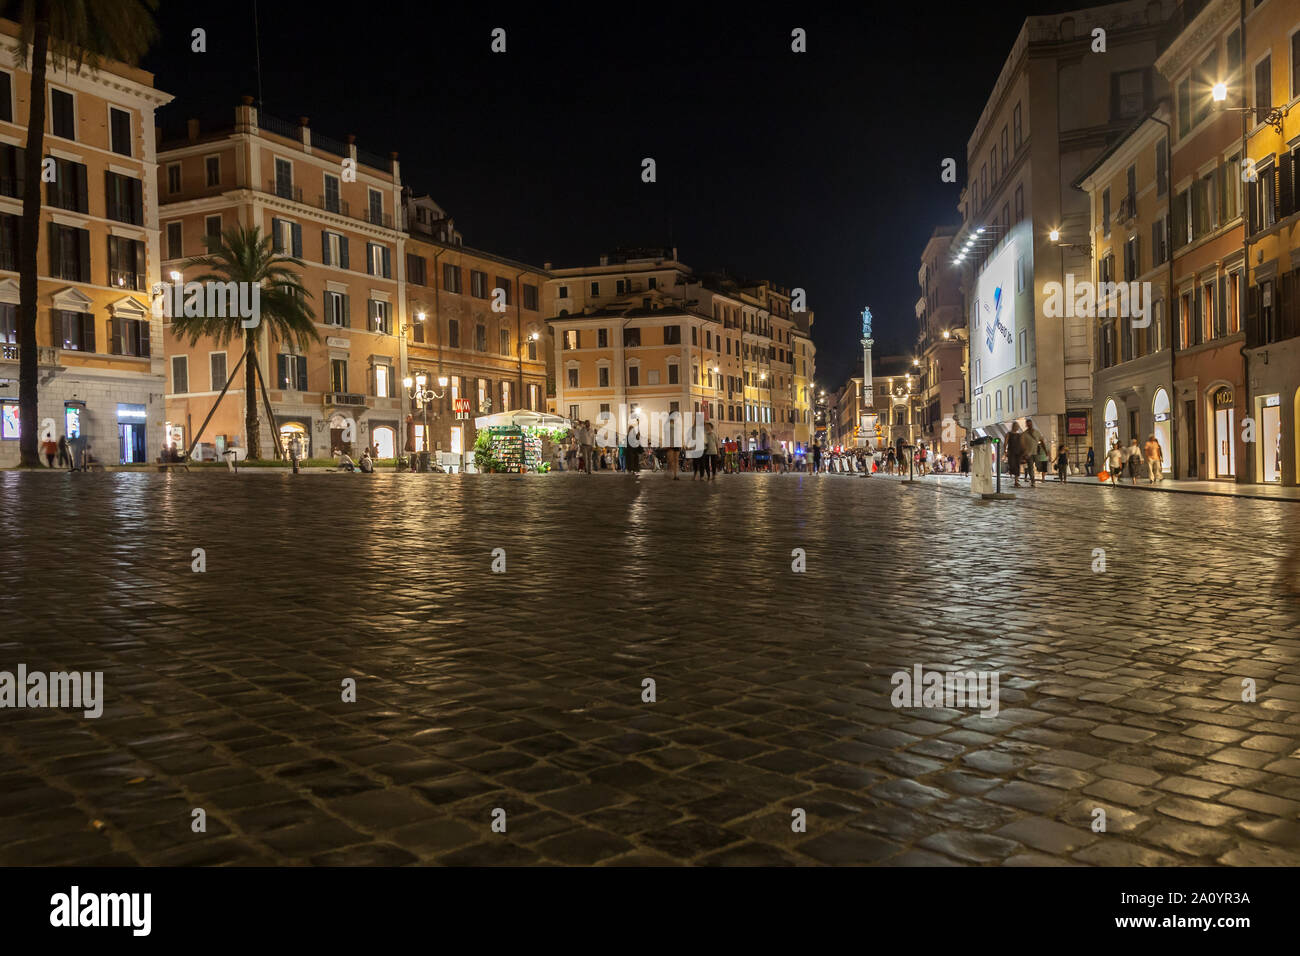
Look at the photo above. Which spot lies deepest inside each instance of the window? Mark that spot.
(480, 338)
(6, 98)
(652, 376)
(504, 285)
(379, 260)
(1295, 64)
(333, 249)
(1234, 50)
(562, 292)
(595, 288)
(129, 336)
(478, 284)
(291, 372)
(1020, 274)
(1263, 89)
(126, 268)
(602, 376)
(8, 323)
(453, 333)
(602, 338)
(68, 188)
(376, 207)
(631, 338)
(286, 237)
(1004, 150)
(571, 339)
(1184, 107)
(532, 349)
(212, 227)
(1016, 133)
(338, 375)
(336, 308)
(673, 334)
(212, 170)
(1105, 212)
(69, 253)
(415, 272)
(74, 331)
(173, 177)
(1132, 260)
(674, 374)
(119, 131)
(331, 198)
(634, 375)
(284, 178)
(11, 171)
(573, 378)
(1162, 167)
(217, 370)
(993, 165)
(984, 184)
(63, 115)
(530, 298)
(1230, 189)
(1159, 241)
(451, 278)
(180, 373)
(1234, 303)
(1020, 203)
(1022, 347)
(504, 336)
(383, 381)
(377, 317)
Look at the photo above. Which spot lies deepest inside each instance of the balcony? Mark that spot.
(45, 355)
(333, 204)
(284, 190)
(348, 399)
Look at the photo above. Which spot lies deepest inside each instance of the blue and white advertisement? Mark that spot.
(994, 337)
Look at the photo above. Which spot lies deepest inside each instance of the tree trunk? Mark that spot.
(28, 241)
(250, 398)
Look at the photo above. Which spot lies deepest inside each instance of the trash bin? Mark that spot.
(422, 460)
(981, 474)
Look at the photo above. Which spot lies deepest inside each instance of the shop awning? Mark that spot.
(522, 418)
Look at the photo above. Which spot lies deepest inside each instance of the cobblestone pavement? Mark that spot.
(522, 690)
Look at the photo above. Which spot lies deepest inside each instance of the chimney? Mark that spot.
(604, 260)
(192, 129)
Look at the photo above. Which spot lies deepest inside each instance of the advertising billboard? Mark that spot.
(994, 338)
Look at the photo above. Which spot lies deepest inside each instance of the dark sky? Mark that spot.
(818, 170)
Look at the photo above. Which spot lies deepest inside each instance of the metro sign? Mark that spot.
(462, 407)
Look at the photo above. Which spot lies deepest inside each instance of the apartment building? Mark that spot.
(1058, 102)
(643, 333)
(100, 349)
(941, 318)
(1129, 195)
(1206, 239)
(1271, 85)
(335, 207)
(476, 319)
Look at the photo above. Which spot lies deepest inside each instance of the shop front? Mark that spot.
(131, 421)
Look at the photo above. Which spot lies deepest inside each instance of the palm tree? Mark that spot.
(246, 256)
(76, 33)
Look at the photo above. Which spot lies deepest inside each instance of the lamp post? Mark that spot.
(419, 391)
(523, 347)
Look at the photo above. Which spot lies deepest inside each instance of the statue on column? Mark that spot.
(866, 323)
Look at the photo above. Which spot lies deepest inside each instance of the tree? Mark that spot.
(71, 33)
(244, 255)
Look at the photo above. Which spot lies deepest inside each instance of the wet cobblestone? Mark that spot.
(522, 690)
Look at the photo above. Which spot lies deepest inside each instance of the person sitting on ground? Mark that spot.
(366, 464)
(345, 461)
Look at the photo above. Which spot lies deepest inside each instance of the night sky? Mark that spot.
(818, 170)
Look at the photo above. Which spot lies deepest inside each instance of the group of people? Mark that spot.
(1148, 457)
(74, 454)
(581, 453)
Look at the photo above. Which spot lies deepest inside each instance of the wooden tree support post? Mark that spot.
(198, 434)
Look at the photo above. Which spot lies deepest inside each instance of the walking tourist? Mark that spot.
(1014, 457)
(1062, 462)
(1134, 460)
(1154, 456)
(295, 452)
(1115, 461)
(1090, 463)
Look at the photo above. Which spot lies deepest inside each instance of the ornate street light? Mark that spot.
(419, 391)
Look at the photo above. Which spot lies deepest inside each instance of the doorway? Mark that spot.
(1225, 452)
(1160, 422)
(1270, 443)
(130, 443)
(1190, 426)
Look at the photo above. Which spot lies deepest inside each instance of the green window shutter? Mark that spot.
(347, 311)
(282, 371)
(276, 245)
(324, 248)
(296, 230)
(388, 263)
(343, 251)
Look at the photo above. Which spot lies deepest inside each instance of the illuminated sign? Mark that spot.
(130, 413)
(72, 420)
(9, 422)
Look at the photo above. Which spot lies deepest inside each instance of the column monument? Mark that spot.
(867, 430)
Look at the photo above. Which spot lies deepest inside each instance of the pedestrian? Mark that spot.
(587, 440)
(711, 449)
(1134, 460)
(674, 455)
(890, 460)
(920, 459)
(65, 456)
(50, 448)
(817, 457)
(1062, 462)
(1154, 454)
(295, 452)
(1089, 463)
(632, 456)
(1114, 461)
(1014, 457)
(1033, 450)
(965, 460)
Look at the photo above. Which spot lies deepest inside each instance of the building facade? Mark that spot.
(1129, 194)
(100, 345)
(1271, 85)
(941, 317)
(1025, 226)
(1209, 401)
(337, 209)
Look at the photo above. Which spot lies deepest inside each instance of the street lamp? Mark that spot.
(1273, 115)
(419, 391)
